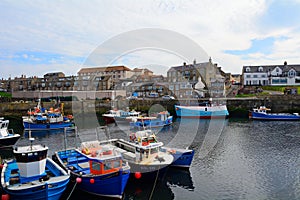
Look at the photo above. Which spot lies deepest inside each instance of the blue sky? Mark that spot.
(38, 37)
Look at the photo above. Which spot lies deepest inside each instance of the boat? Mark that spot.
(262, 113)
(119, 115)
(96, 169)
(32, 175)
(142, 152)
(160, 120)
(182, 157)
(205, 110)
(42, 119)
(7, 136)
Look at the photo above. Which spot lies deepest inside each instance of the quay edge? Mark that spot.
(237, 107)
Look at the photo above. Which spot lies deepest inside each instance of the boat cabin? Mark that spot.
(102, 159)
(261, 109)
(31, 160)
(4, 128)
(105, 166)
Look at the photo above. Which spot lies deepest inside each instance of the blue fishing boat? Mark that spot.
(160, 120)
(7, 136)
(262, 113)
(42, 119)
(204, 111)
(32, 175)
(95, 169)
(182, 157)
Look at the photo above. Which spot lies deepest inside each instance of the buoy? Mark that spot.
(137, 175)
(78, 180)
(5, 197)
(92, 181)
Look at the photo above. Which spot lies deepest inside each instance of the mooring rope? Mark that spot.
(154, 184)
(72, 190)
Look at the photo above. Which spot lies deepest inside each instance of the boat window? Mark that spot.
(108, 166)
(154, 151)
(117, 164)
(96, 166)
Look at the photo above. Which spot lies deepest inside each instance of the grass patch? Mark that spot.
(5, 94)
(245, 95)
(280, 88)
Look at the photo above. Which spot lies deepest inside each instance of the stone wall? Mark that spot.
(238, 107)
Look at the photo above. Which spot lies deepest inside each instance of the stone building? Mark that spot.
(50, 81)
(184, 80)
(98, 78)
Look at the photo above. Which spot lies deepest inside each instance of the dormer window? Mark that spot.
(292, 73)
(248, 69)
(260, 69)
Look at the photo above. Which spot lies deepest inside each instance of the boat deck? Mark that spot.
(16, 182)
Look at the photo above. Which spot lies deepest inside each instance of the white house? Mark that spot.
(271, 75)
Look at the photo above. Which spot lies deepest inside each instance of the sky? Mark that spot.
(38, 37)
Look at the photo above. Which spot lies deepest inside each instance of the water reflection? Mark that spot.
(180, 178)
(246, 159)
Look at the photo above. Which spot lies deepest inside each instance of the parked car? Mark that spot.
(153, 95)
(168, 97)
(131, 97)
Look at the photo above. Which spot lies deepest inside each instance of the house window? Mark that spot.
(248, 69)
(260, 69)
(255, 76)
(248, 76)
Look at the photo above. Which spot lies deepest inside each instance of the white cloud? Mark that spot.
(78, 28)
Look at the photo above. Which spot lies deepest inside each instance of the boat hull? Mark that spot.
(46, 126)
(108, 120)
(202, 112)
(182, 157)
(51, 189)
(102, 185)
(273, 116)
(9, 140)
(152, 123)
(147, 173)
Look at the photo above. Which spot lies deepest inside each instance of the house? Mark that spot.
(271, 75)
(90, 78)
(184, 80)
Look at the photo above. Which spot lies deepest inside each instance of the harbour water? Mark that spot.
(234, 159)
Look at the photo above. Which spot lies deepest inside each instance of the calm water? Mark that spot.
(234, 159)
